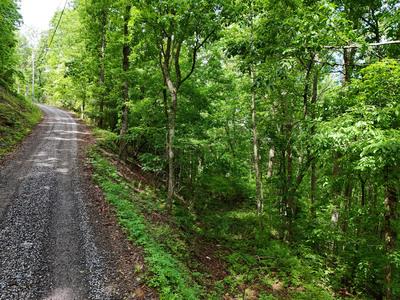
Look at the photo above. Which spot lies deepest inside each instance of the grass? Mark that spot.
(164, 251)
(17, 117)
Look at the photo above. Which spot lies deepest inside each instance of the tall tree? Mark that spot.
(179, 31)
(126, 50)
(9, 22)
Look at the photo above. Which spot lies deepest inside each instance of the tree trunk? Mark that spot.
(348, 191)
(170, 111)
(256, 155)
(348, 56)
(313, 183)
(307, 86)
(389, 232)
(291, 209)
(83, 106)
(271, 156)
(170, 148)
(126, 50)
(284, 192)
(363, 196)
(102, 54)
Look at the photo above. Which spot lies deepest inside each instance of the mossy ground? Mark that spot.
(17, 117)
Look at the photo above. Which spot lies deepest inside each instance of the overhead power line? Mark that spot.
(45, 49)
(354, 46)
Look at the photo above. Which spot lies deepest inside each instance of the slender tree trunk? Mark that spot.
(313, 183)
(256, 155)
(126, 50)
(229, 139)
(284, 193)
(307, 86)
(348, 191)
(83, 106)
(348, 56)
(102, 54)
(170, 111)
(336, 170)
(271, 156)
(390, 234)
(170, 148)
(270, 171)
(291, 209)
(363, 196)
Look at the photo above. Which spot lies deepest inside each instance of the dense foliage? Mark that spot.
(273, 124)
(9, 21)
(17, 115)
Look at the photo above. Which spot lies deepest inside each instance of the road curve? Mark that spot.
(47, 244)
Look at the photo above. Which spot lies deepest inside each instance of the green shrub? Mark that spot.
(167, 274)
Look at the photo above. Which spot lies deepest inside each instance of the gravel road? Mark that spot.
(48, 247)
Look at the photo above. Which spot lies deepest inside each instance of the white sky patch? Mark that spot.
(37, 14)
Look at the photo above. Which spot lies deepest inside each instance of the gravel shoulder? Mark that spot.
(58, 238)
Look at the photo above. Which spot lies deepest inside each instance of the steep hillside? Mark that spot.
(17, 117)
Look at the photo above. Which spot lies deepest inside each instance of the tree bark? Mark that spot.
(170, 111)
(170, 46)
(346, 66)
(363, 193)
(290, 196)
(271, 156)
(313, 182)
(284, 191)
(256, 155)
(126, 50)
(307, 86)
(83, 106)
(170, 148)
(102, 54)
(390, 234)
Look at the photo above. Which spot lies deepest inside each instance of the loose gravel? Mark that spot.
(48, 247)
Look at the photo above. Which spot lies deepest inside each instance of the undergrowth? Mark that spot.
(260, 267)
(17, 117)
(257, 265)
(167, 273)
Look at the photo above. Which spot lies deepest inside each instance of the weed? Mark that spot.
(167, 273)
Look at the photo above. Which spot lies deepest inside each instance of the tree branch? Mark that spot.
(177, 63)
(194, 55)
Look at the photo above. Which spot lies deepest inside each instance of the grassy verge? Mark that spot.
(162, 248)
(17, 117)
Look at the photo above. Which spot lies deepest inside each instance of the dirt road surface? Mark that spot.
(49, 248)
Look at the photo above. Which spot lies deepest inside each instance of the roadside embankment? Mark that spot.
(17, 118)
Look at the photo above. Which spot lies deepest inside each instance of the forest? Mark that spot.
(269, 131)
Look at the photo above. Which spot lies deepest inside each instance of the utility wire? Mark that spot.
(45, 49)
